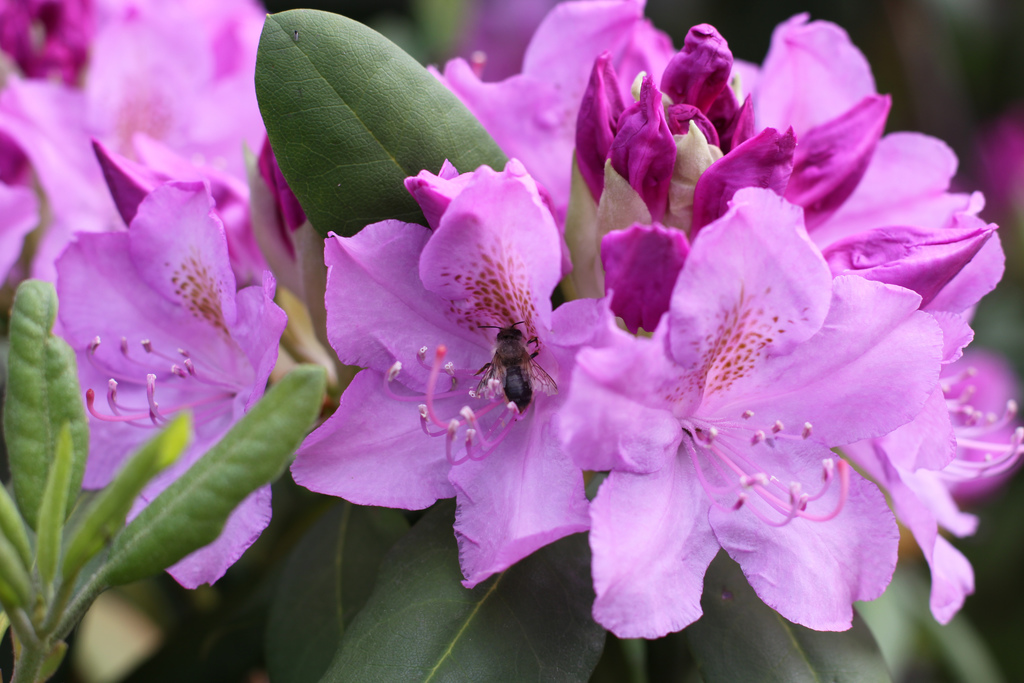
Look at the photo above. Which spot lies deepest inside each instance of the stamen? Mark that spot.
(807, 430)
(777, 427)
(747, 414)
(757, 438)
(394, 370)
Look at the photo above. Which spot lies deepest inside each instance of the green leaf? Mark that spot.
(191, 512)
(12, 526)
(350, 116)
(51, 510)
(107, 512)
(325, 583)
(531, 622)
(739, 638)
(15, 586)
(42, 395)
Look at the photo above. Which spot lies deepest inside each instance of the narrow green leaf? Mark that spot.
(15, 586)
(191, 512)
(51, 510)
(42, 395)
(350, 116)
(739, 638)
(13, 526)
(53, 660)
(531, 622)
(325, 583)
(107, 512)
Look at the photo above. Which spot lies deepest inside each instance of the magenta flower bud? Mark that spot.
(47, 38)
(915, 258)
(679, 117)
(832, 157)
(641, 264)
(644, 152)
(129, 182)
(699, 72)
(435, 192)
(735, 123)
(597, 123)
(765, 160)
(287, 204)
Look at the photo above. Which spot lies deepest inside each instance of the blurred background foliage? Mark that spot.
(955, 69)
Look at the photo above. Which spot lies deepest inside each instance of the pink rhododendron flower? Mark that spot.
(977, 392)
(158, 327)
(717, 430)
(180, 73)
(418, 308)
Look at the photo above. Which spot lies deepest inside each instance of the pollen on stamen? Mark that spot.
(179, 371)
(467, 414)
(777, 427)
(94, 344)
(747, 414)
(806, 433)
(422, 353)
(393, 371)
(124, 345)
(147, 345)
(758, 437)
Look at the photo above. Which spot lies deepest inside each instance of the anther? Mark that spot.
(124, 346)
(712, 434)
(747, 414)
(394, 370)
(467, 414)
(179, 372)
(422, 353)
(807, 430)
(757, 438)
(147, 345)
(453, 428)
(777, 427)
(423, 410)
(94, 344)
(449, 367)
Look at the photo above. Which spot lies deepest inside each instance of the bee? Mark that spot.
(515, 368)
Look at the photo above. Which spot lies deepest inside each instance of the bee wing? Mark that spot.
(492, 370)
(541, 380)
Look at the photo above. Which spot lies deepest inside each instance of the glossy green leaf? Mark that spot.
(191, 512)
(328, 577)
(51, 510)
(739, 638)
(530, 623)
(350, 116)
(42, 395)
(108, 510)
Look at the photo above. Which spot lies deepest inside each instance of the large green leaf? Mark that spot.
(350, 116)
(42, 396)
(739, 638)
(191, 512)
(325, 583)
(531, 622)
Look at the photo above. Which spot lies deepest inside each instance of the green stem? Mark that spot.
(27, 666)
(81, 602)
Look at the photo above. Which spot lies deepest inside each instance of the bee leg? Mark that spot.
(533, 340)
(483, 369)
(534, 354)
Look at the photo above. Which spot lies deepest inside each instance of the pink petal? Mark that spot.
(812, 74)
(129, 182)
(765, 160)
(496, 254)
(773, 279)
(915, 258)
(372, 451)
(525, 494)
(832, 157)
(652, 545)
(979, 277)
(19, 215)
(906, 183)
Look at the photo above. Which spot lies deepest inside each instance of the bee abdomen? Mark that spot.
(517, 388)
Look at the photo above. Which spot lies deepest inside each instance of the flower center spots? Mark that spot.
(734, 347)
(199, 292)
(143, 110)
(495, 290)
